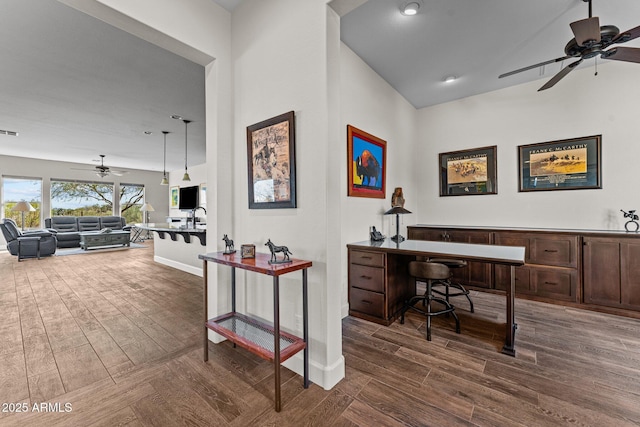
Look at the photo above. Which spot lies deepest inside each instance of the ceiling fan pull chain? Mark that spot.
(596, 73)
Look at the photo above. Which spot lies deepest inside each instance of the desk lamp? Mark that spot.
(397, 210)
(23, 207)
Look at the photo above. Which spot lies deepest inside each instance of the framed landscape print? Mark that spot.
(568, 164)
(367, 164)
(271, 163)
(174, 197)
(468, 172)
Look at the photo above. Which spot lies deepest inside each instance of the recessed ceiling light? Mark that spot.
(148, 132)
(175, 116)
(8, 132)
(411, 8)
(450, 79)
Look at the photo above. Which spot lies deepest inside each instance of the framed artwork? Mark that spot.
(468, 172)
(174, 197)
(203, 194)
(366, 164)
(568, 164)
(271, 163)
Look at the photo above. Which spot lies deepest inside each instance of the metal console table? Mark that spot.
(262, 339)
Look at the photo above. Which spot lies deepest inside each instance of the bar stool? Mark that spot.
(447, 283)
(430, 272)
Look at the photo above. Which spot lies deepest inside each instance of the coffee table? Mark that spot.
(95, 239)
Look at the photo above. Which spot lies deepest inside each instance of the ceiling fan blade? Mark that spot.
(586, 30)
(629, 54)
(118, 173)
(555, 79)
(531, 67)
(625, 36)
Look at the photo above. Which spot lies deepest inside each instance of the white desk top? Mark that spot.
(495, 254)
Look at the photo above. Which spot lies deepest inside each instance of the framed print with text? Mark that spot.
(271, 163)
(468, 172)
(366, 164)
(568, 164)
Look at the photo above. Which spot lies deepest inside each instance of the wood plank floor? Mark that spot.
(117, 337)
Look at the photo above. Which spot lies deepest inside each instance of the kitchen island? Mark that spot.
(177, 246)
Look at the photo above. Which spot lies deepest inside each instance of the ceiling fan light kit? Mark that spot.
(590, 40)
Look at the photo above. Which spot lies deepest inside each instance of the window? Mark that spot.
(81, 198)
(14, 190)
(131, 200)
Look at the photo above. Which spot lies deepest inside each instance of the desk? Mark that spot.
(379, 281)
(263, 340)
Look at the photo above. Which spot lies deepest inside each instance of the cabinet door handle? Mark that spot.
(365, 277)
(550, 283)
(551, 250)
(366, 302)
(365, 257)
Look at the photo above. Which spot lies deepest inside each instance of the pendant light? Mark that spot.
(186, 173)
(164, 181)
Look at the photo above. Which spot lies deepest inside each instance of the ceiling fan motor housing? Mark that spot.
(607, 34)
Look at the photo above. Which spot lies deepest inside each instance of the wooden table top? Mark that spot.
(259, 264)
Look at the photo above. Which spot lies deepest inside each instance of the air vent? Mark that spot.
(8, 132)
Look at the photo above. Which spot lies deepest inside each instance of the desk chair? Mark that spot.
(430, 272)
(447, 283)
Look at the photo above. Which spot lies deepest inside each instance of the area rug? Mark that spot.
(78, 251)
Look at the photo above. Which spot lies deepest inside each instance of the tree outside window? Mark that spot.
(131, 201)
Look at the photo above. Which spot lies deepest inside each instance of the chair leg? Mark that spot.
(428, 310)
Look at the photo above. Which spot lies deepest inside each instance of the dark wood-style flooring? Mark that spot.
(117, 337)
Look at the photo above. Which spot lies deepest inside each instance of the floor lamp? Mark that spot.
(397, 210)
(23, 207)
(146, 208)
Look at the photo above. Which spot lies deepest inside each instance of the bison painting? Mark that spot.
(368, 169)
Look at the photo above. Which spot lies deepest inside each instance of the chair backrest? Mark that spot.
(10, 230)
(88, 223)
(429, 270)
(62, 223)
(112, 222)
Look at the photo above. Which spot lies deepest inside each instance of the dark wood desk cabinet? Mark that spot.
(612, 272)
(585, 268)
(373, 294)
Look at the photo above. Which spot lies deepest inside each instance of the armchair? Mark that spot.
(31, 244)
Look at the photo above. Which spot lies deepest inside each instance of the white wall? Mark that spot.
(371, 104)
(48, 170)
(580, 105)
(198, 175)
(279, 52)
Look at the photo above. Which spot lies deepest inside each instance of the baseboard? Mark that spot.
(324, 376)
(179, 266)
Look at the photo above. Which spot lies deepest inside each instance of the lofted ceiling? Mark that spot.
(476, 41)
(75, 87)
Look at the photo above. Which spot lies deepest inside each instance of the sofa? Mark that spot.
(67, 228)
(28, 244)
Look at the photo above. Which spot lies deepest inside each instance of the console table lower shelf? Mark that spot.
(255, 336)
(258, 337)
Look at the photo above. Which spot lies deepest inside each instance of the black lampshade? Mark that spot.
(397, 210)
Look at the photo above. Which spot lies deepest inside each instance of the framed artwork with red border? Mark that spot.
(366, 164)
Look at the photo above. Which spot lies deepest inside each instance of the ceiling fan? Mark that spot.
(101, 170)
(590, 40)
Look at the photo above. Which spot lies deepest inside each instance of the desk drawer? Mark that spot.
(554, 284)
(367, 302)
(559, 252)
(363, 277)
(374, 259)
